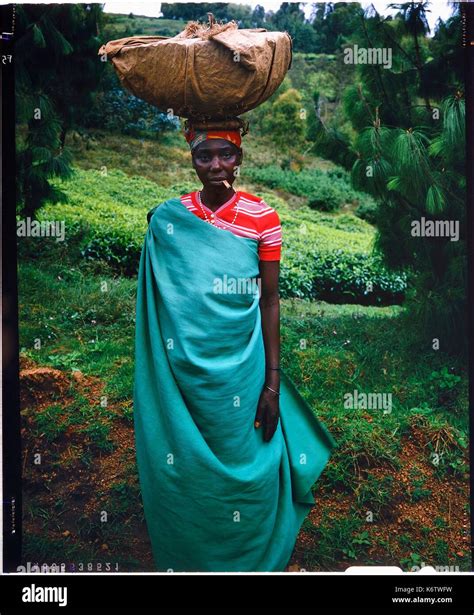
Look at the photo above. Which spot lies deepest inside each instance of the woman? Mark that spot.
(227, 449)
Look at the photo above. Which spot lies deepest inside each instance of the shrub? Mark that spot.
(106, 215)
(324, 190)
(339, 277)
(117, 110)
(367, 210)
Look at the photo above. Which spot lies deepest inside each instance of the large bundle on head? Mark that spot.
(204, 72)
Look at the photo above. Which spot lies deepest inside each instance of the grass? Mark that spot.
(44, 550)
(344, 539)
(166, 160)
(83, 328)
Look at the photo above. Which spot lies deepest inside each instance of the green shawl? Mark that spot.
(216, 497)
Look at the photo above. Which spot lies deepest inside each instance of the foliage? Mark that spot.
(419, 174)
(315, 73)
(421, 69)
(325, 190)
(117, 110)
(107, 215)
(106, 218)
(197, 11)
(340, 277)
(287, 117)
(329, 140)
(368, 210)
(408, 123)
(120, 26)
(333, 23)
(291, 17)
(56, 71)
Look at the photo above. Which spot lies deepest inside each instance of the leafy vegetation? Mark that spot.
(326, 190)
(105, 219)
(117, 110)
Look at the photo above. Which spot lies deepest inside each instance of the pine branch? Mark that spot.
(376, 67)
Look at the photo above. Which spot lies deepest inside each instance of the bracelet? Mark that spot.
(277, 368)
(272, 389)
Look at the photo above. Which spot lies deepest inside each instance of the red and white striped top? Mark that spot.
(255, 219)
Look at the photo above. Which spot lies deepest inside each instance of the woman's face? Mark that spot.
(216, 160)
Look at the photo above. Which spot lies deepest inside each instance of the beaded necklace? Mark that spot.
(212, 215)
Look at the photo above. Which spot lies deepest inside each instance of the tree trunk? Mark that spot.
(419, 67)
(29, 209)
(62, 136)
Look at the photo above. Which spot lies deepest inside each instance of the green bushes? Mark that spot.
(339, 277)
(367, 210)
(324, 256)
(118, 110)
(326, 190)
(106, 215)
(329, 257)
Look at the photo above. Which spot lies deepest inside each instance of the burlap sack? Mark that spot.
(213, 72)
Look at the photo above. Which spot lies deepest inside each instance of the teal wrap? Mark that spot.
(216, 497)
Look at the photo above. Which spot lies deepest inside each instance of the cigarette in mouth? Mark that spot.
(226, 183)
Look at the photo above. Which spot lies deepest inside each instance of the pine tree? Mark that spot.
(409, 148)
(418, 174)
(56, 70)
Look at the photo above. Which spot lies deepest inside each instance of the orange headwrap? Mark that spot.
(195, 137)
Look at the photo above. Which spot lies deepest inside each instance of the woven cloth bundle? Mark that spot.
(203, 72)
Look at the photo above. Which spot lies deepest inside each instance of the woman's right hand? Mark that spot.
(268, 413)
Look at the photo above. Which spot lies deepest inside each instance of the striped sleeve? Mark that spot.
(269, 247)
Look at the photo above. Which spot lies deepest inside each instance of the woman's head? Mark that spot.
(216, 152)
(216, 160)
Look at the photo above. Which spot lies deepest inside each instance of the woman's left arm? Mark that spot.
(268, 411)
